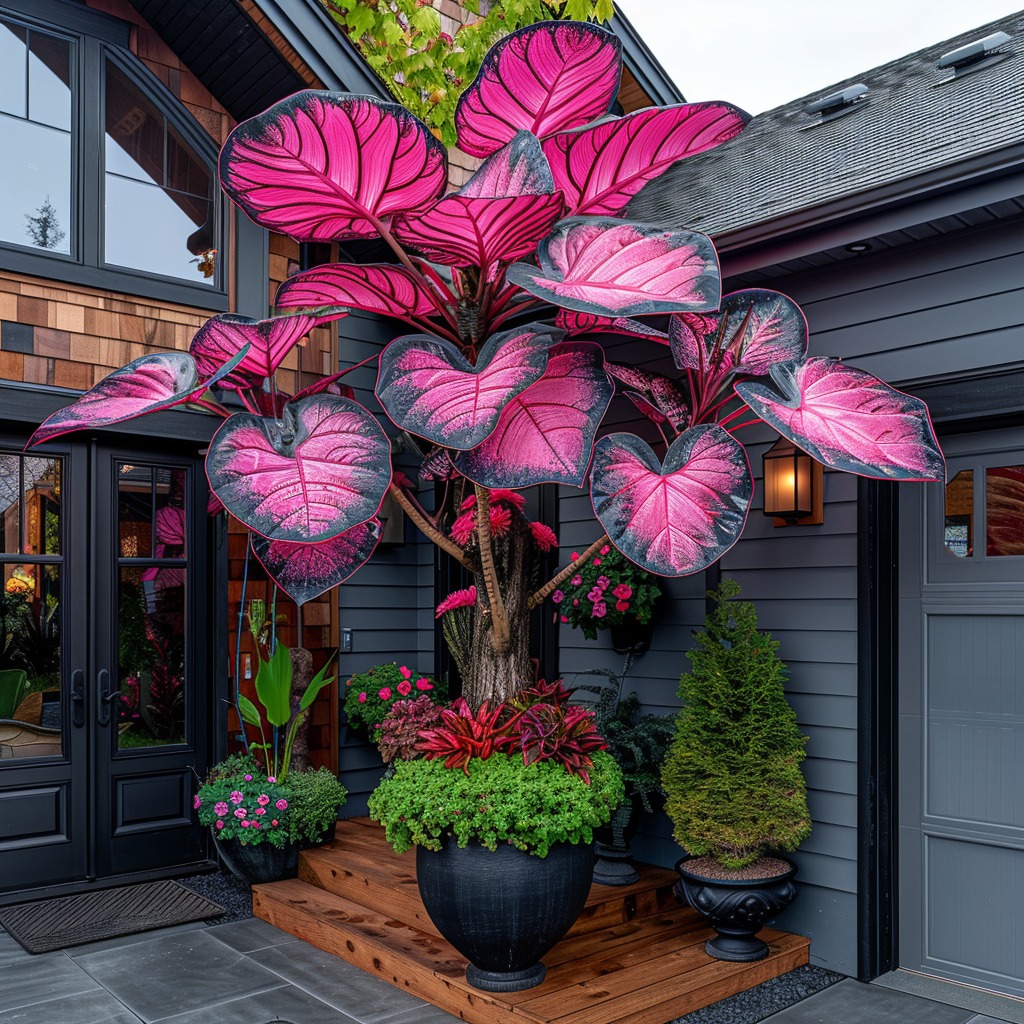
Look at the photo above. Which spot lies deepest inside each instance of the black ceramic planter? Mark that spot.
(737, 909)
(259, 862)
(631, 637)
(503, 909)
(614, 864)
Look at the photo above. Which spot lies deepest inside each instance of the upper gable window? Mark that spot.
(106, 179)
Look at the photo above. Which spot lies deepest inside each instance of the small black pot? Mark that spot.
(737, 909)
(631, 637)
(614, 864)
(503, 909)
(259, 862)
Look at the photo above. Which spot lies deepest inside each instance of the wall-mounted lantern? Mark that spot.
(792, 485)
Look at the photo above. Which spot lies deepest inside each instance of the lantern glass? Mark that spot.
(788, 482)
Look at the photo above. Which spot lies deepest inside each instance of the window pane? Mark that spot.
(13, 53)
(1004, 511)
(170, 513)
(151, 657)
(30, 691)
(42, 507)
(10, 504)
(49, 81)
(35, 181)
(959, 525)
(134, 131)
(135, 511)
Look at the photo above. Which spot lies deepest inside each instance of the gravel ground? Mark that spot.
(748, 1007)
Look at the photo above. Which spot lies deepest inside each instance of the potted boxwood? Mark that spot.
(501, 805)
(734, 789)
(317, 797)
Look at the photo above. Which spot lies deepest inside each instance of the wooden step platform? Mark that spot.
(634, 955)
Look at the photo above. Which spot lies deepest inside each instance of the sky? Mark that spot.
(760, 54)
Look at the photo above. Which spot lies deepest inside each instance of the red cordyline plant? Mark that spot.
(508, 285)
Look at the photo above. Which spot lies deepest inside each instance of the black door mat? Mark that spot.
(89, 917)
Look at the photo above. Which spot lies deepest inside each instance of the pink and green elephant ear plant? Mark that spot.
(507, 285)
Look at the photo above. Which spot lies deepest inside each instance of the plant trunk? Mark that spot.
(493, 674)
(302, 673)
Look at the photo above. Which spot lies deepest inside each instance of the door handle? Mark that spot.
(78, 698)
(107, 697)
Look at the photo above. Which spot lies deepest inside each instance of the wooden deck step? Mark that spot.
(638, 957)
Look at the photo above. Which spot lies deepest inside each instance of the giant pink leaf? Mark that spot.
(145, 385)
(601, 167)
(319, 470)
(546, 433)
(678, 517)
(428, 387)
(269, 341)
(848, 420)
(323, 166)
(504, 210)
(589, 323)
(372, 287)
(305, 571)
(544, 78)
(619, 268)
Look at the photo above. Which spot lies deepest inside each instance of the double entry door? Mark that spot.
(103, 694)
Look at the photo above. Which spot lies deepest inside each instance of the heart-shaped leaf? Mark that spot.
(428, 387)
(687, 337)
(677, 518)
(504, 210)
(618, 268)
(373, 287)
(145, 385)
(321, 469)
(848, 420)
(601, 167)
(305, 571)
(269, 341)
(304, 167)
(762, 328)
(546, 433)
(589, 323)
(543, 79)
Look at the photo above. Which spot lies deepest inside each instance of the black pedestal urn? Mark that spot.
(259, 862)
(503, 909)
(737, 908)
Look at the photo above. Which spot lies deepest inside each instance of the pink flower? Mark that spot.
(509, 498)
(565, 618)
(605, 550)
(501, 520)
(406, 672)
(220, 824)
(245, 824)
(196, 802)
(622, 591)
(576, 580)
(457, 599)
(248, 778)
(404, 687)
(361, 699)
(558, 597)
(263, 799)
(282, 804)
(600, 610)
(597, 561)
(236, 797)
(271, 779)
(603, 582)
(595, 594)
(260, 810)
(621, 606)
(575, 602)
(220, 808)
(384, 693)
(543, 536)
(469, 502)
(424, 684)
(240, 812)
(274, 822)
(255, 824)
(463, 528)
(575, 555)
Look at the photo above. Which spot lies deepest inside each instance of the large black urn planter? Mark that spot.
(503, 909)
(259, 862)
(737, 908)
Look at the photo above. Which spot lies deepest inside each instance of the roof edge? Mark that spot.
(646, 68)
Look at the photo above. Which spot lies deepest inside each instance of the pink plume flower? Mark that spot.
(623, 591)
(463, 528)
(501, 494)
(457, 599)
(543, 536)
(501, 520)
(384, 693)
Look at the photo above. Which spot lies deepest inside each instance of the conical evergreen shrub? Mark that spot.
(732, 774)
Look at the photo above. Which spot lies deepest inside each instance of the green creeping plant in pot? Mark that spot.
(501, 805)
(732, 780)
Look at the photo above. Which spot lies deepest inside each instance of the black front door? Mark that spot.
(104, 699)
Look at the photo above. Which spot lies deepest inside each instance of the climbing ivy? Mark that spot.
(426, 69)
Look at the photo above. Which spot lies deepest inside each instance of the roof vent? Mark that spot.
(837, 104)
(982, 53)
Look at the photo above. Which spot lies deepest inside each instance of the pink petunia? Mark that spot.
(424, 684)
(543, 536)
(600, 610)
(406, 672)
(621, 606)
(595, 594)
(576, 580)
(236, 797)
(240, 812)
(603, 582)
(457, 599)
(282, 804)
(404, 687)
(263, 799)
(558, 597)
(220, 808)
(384, 693)
(623, 591)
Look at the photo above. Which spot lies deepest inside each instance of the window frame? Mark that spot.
(97, 37)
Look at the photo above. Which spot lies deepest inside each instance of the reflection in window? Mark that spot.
(1004, 511)
(153, 177)
(35, 137)
(959, 522)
